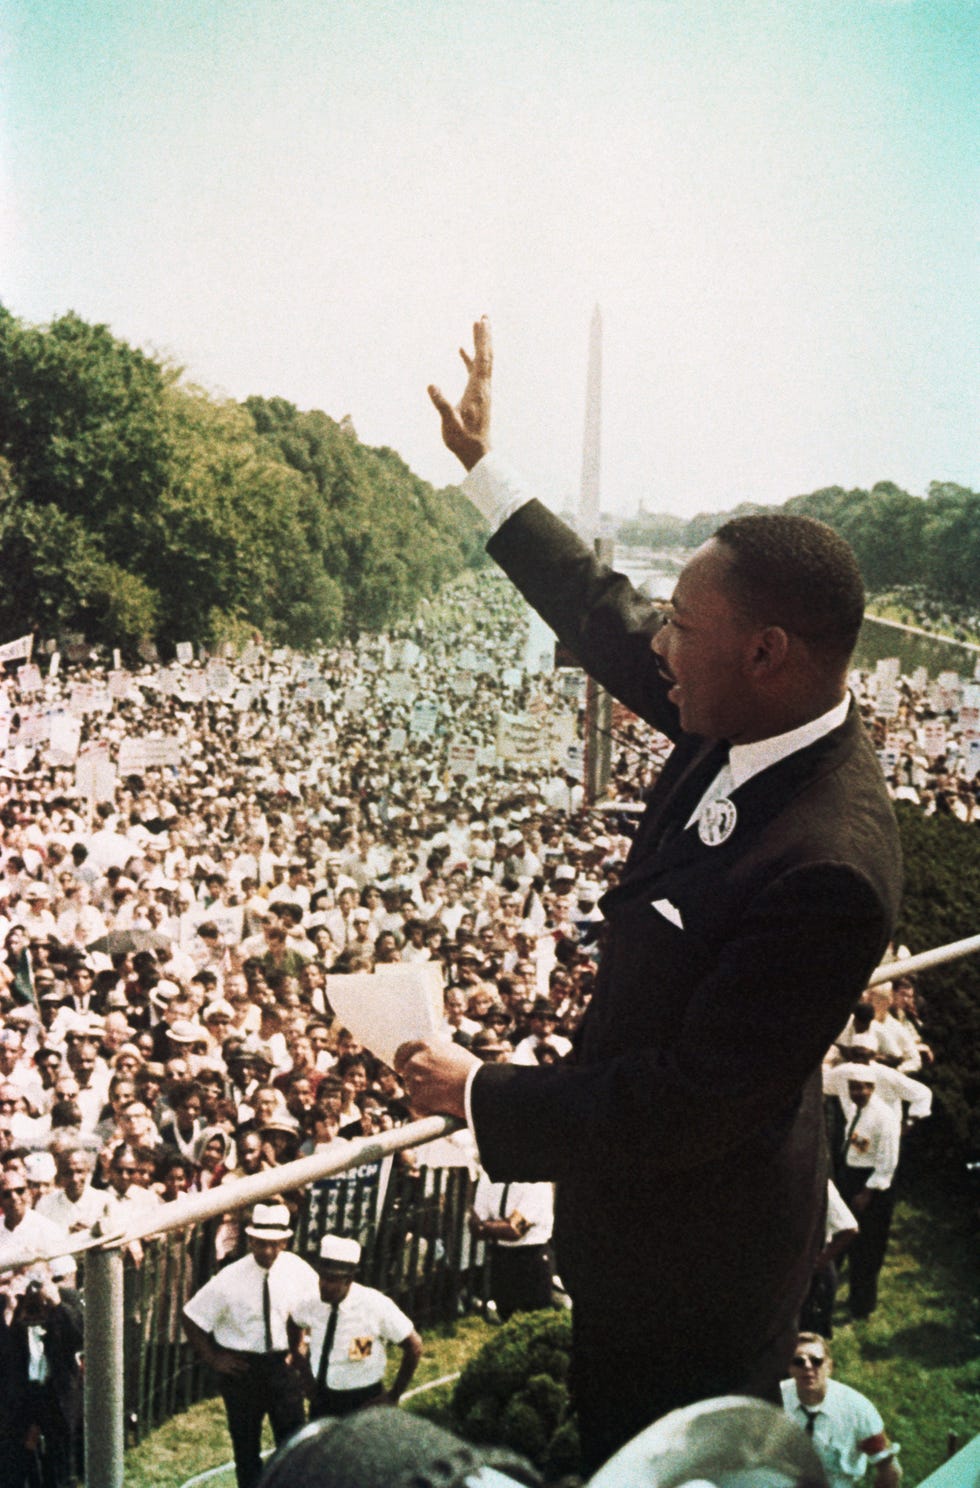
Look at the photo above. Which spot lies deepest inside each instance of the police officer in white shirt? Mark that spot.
(847, 1432)
(515, 1220)
(349, 1327)
(865, 1169)
(243, 1324)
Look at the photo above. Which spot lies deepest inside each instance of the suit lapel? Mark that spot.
(658, 849)
(686, 776)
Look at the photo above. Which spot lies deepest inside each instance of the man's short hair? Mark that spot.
(813, 1338)
(793, 571)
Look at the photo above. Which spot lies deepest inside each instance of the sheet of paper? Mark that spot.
(389, 1006)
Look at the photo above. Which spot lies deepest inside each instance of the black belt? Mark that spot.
(255, 1356)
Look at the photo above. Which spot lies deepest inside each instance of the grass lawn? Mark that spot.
(918, 1358)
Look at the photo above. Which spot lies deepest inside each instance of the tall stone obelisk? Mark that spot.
(588, 505)
(598, 703)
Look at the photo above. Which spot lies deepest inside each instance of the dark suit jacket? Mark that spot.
(686, 1136)
(62, 1344)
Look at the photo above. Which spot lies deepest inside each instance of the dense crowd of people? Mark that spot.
(190, 851)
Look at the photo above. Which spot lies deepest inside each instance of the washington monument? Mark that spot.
(588, 506)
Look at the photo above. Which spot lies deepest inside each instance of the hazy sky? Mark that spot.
(775, 204)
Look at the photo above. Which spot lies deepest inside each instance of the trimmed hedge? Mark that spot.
(514, 1392)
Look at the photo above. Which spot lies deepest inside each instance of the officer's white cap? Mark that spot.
(337, 1252)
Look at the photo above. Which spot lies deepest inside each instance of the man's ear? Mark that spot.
(769, 651)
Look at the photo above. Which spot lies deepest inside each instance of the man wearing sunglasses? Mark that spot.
(847, 1432)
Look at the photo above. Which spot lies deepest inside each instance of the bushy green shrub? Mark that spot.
(514, 1392)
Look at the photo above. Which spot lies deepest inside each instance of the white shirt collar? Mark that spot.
(746, 760)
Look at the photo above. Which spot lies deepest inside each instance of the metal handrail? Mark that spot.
(938, 956)
(253, 1189)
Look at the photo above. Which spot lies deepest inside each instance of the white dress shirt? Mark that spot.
(366, 1321)
(230, 1306)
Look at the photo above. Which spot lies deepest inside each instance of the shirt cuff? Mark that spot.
(467, 1097)
(495, 489)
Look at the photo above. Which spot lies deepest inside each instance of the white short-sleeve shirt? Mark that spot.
(367, 1320)
(230, 1305)
(845, 1418)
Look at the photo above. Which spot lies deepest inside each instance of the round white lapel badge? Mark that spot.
(717, 822)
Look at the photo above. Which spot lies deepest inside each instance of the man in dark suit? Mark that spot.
(685, 1133)
(40, 1406)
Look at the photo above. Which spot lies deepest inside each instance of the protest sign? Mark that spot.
(934, 738)
(972, 758)
(83, 699)
(19, 650)
(220, 679)
(139, 754)
(462, 759)
(521, 739)
(424, 719)
(401, 687)
(95, 775)
(65, 737)
(573, 761)
(34, 728)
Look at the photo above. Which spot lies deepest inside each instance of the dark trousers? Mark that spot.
(817, 1313)
(267, 1388)
(520, 1278)
(620, 1384)
(52, 1465)
(342, 1402)
(866, 1255)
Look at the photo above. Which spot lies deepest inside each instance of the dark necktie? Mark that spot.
(849, 1134)
(811, 1419)
(267, 1312)
(503, 1201)
(328, 1338)
(666, 819)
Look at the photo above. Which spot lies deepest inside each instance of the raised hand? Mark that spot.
(466, 428)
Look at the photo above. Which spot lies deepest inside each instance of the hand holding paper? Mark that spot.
(435, 1076)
